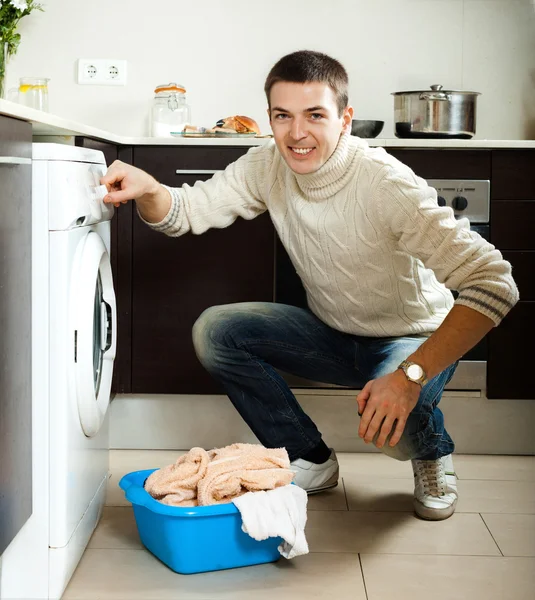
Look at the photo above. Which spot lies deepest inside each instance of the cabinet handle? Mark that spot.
(14, 160)
(198, 171)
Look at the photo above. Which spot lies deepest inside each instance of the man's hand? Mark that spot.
(125, 182)
(385, 404)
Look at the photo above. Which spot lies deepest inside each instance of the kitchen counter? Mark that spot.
(46, 124)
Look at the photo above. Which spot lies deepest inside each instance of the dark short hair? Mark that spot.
(306, 66)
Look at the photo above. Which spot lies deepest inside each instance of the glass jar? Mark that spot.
(32, 92)
(170, 113)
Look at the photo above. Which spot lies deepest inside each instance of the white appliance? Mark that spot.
(74, 339)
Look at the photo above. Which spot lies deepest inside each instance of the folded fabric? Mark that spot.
(200, 478)
(241, 468)
(176, 484)
(276, 513)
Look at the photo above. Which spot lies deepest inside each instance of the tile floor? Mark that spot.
(365, 542)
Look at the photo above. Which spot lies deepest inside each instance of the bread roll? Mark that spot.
(239, 123)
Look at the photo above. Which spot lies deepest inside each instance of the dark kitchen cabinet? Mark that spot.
(511, 355)
(512, 218)
(513, 175)
(15, 327)
(163, 284)
(445, 163)
(175, 279)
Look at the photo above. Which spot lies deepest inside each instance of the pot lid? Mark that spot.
(437, 88)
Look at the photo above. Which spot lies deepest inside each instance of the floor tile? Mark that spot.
(448, 577)
(505, 468)
(514, 534)
(496, 496)
(397, 533)
(371, 494)
(353, 466)
(137, 575)
(333, 499)
(475, 496)
(117, 529)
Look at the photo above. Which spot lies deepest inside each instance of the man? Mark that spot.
(377, 257)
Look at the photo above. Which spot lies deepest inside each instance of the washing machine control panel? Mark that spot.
(76, 196)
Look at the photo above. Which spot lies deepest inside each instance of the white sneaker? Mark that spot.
(315, 478)
(435, 488)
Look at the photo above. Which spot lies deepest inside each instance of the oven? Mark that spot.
(467, 198)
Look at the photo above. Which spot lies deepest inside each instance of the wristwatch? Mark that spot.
(414, 372)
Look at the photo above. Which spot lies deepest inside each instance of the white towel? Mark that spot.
(281, 512)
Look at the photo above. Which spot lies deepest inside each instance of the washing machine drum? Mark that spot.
(93, 314)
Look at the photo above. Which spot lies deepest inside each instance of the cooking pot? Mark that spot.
(435, 113)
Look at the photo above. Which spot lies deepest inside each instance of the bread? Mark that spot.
(239, 124)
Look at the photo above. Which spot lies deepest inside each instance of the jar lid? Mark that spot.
(170, 87)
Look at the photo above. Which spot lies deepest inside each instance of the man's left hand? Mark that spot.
(384, 405)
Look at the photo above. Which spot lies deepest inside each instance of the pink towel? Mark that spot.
(200, 478)
(177, 484)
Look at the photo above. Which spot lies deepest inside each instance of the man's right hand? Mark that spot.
(125, 182)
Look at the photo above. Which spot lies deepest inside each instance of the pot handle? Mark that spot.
(435, 94)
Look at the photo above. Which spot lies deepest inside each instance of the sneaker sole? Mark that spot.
(433, 514)
(328, 485)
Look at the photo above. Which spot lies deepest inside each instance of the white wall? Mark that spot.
(222, 51)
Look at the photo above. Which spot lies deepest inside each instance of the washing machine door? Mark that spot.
(95, 333)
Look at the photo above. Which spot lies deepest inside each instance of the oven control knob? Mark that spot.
(441, 200)
(459, 203)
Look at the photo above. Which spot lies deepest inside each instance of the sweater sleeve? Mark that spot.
(460, 258)
(235, 192)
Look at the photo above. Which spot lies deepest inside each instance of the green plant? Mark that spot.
(11, 12)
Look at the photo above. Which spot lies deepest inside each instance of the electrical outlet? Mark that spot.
(101, 71)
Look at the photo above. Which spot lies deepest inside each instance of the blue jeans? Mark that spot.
(243, 346)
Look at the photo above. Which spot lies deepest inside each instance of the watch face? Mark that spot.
(415, 371)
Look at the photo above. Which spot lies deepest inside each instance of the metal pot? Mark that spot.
(435, 113)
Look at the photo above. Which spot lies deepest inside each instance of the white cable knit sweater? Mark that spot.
(375, 252)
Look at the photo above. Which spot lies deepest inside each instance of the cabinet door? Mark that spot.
(15, 327)
(511, 355)
(513, 176)
(175, 279)
(512, 214)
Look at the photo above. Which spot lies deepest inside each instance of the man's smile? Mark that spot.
(301, 151)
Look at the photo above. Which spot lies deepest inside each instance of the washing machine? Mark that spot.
(74, 341)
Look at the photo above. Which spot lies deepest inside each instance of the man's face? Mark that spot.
(305, 123)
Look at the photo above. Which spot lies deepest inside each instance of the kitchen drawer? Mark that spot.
(523, 264)
(513, 175)
(434, 163)
(15, 138)
(163, 161)
(512, 224)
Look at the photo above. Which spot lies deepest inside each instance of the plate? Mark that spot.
(194, 134)
(234, 134)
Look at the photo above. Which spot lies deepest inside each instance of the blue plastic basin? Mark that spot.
(194, 540)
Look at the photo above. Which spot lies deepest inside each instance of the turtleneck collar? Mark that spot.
(331, 177)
